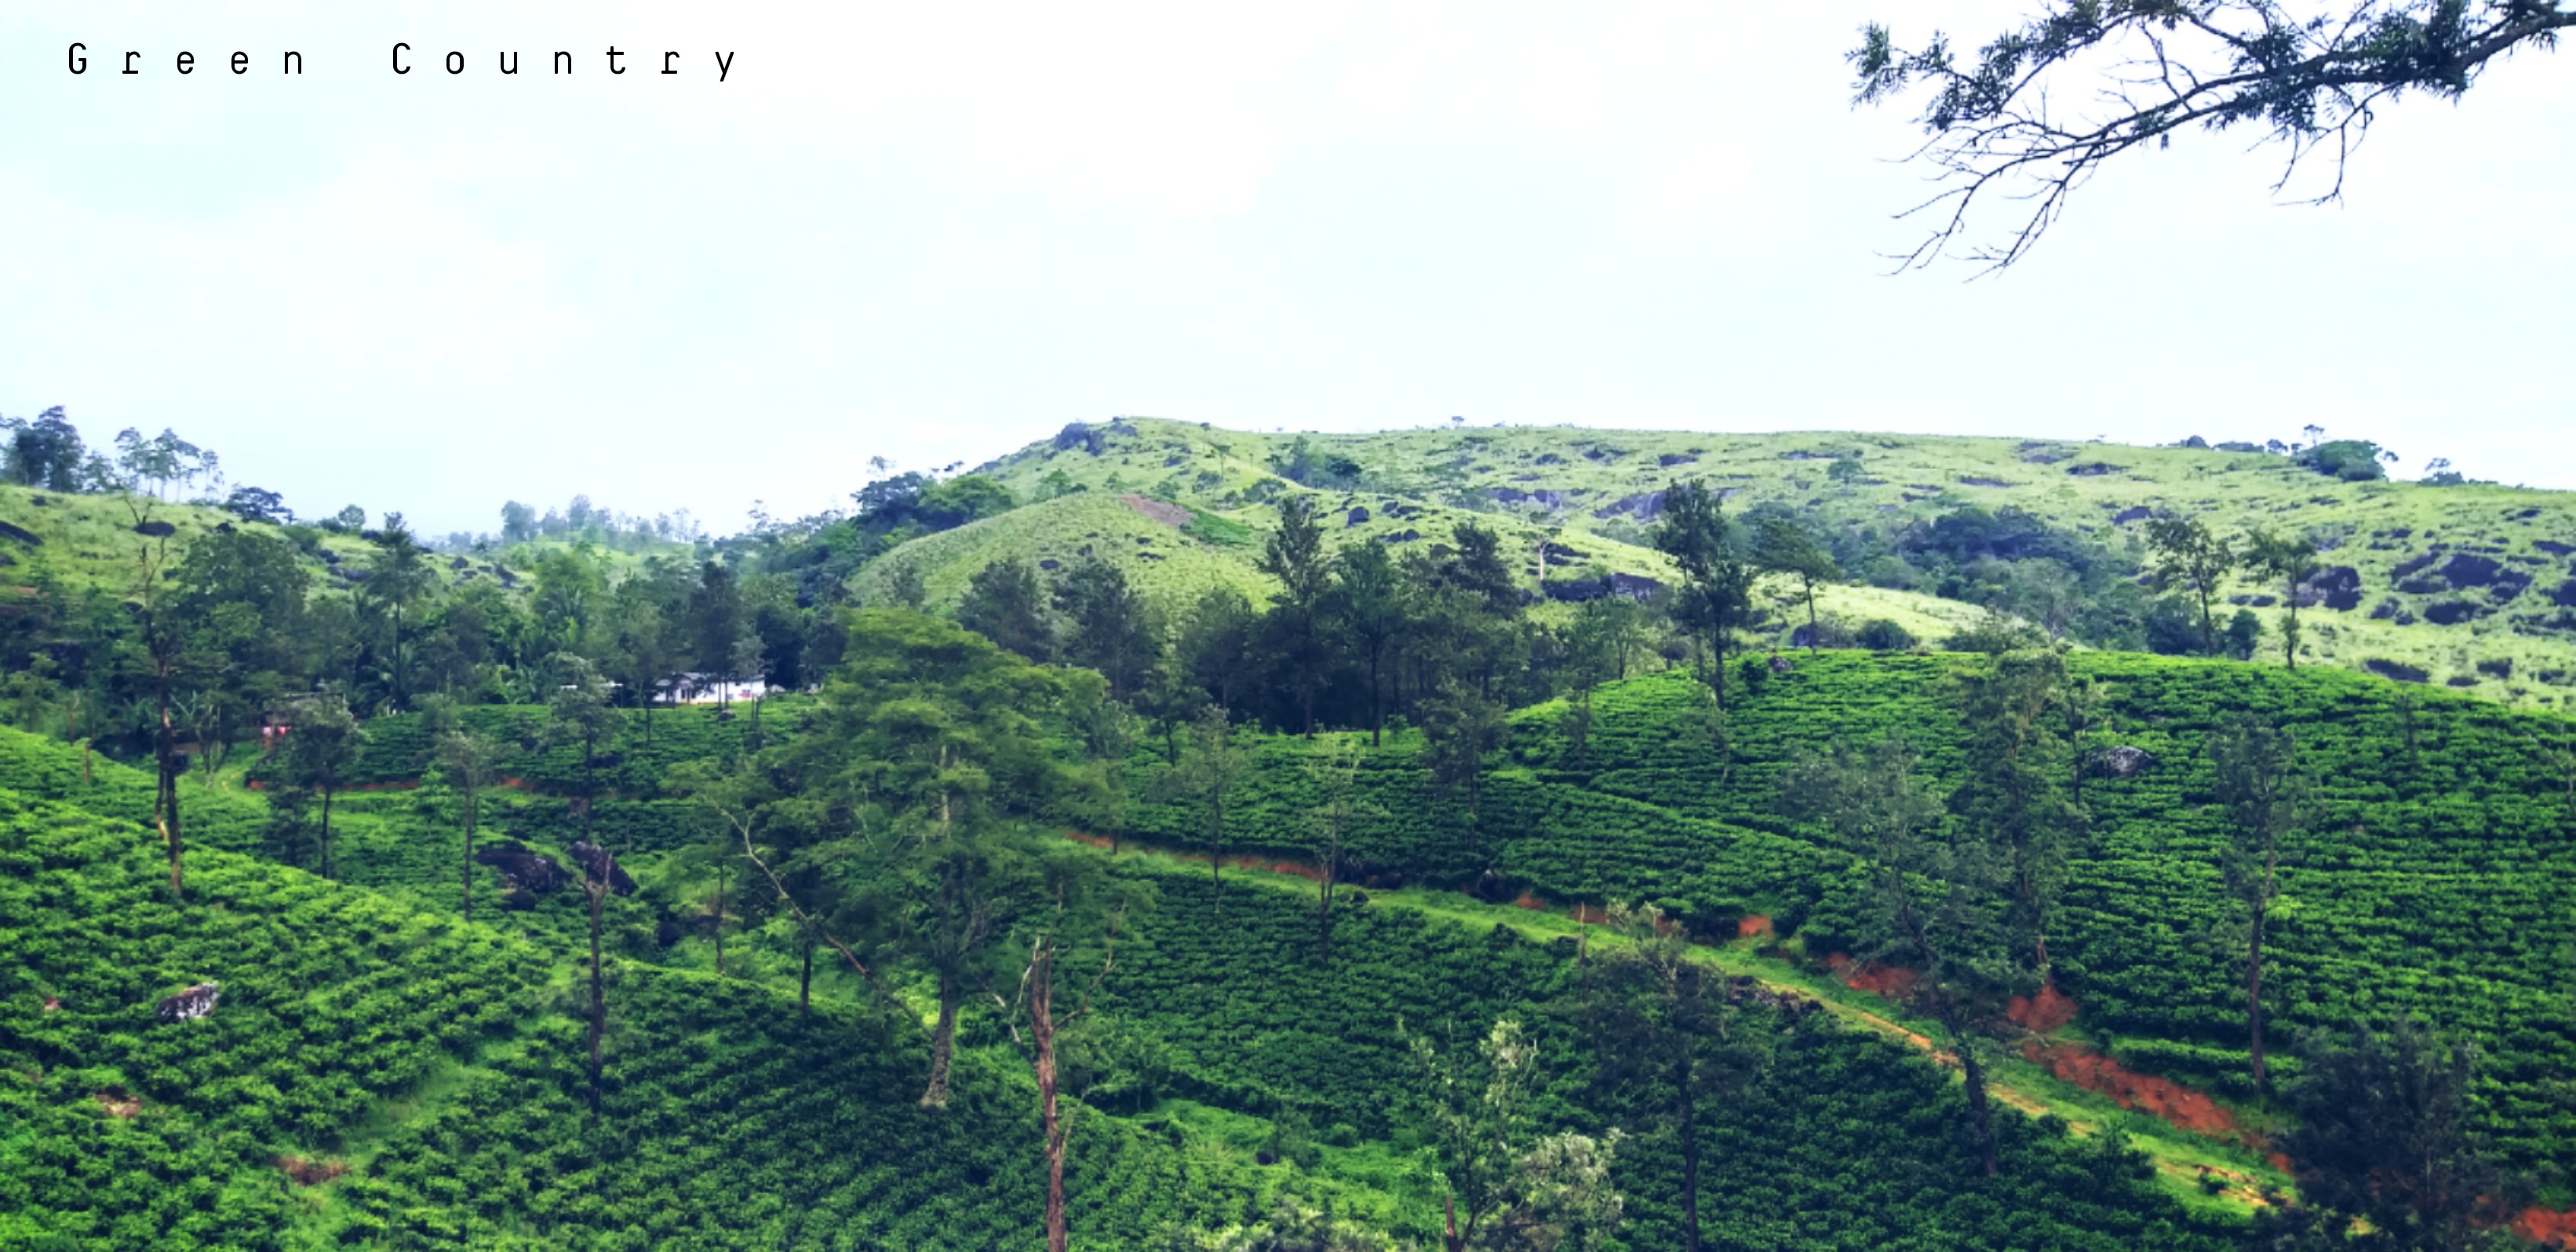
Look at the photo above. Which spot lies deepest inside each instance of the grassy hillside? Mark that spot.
(2473, 586)
(381, 1075)
(88, 542)
(2429, 878)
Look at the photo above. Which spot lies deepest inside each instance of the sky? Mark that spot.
(936, 233)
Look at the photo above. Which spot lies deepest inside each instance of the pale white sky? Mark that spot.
(938, 232)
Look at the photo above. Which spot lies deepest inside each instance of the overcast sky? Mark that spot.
(938, 232)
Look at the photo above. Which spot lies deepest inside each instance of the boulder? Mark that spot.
(2122, 761)
(188, 1005)
(528, 872)
(598, 866)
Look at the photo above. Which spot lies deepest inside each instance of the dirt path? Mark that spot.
(2184, 1170)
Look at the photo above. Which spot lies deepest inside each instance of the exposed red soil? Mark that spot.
(1752, 926)
(118, 1103)
(2042, 1014)
(2144, 1093)
(1888, 982)
(2548, 1229)
(1531, 902)
(1167, 514)
(1591, 914)
(53, 1005)
(311, 1173)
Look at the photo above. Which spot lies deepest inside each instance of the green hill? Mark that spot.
(378, 1074)
(2469, 585)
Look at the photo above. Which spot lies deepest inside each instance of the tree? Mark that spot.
(578, 711)
(46, 453)
(1207, 774)
(1002, 604)
(599, 876)
(321, 744)
(2313, 75)
(1367, 608)
(467, 758)
(1667, 1034)
(1294, 554)
(1109, 732)
(1109, 626)
(1781, 545)
(1215, 647)
(1073, 929)
(2012, 792)
(2262, 786)
(2185, 554)
(923, 724)
(1507, 1188)
(1334, 770)
(2293, 560)
(162, 460)
(2388, 1150)
(401, 576)
(1717, 579)
(1876, 805)
(1459, 727)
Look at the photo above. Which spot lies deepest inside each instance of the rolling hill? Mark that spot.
(2471, 586)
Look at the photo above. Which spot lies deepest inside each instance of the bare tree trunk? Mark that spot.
(1975, 1071)
(805, 984)
(167, 801)
(467, 908)
(1811, 651)
(1042, 1028)
(598, 998)
(943, 1040)
(327, 867)
(720, 902)
(2254, 1002)
(1324, 910)
(1690, 1148)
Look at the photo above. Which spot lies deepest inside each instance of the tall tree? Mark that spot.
(1782, 545)
(1058, 941)
(1367, 608)
(578, 712)
(2013, 791)
(1294, 554)
(922, 727)
(2186, 555)
(1215, 650)
(1206, 777)
(321, 744)
(1334, 769)
(466, 758)
(1109, 731)
(1108, 626)
(1876, 805)
(399, 579)
(2390, 1155)
(1667, 1033)
(2262, 785)
(1460, 727)
(2044, 105)
(2293, 560)
(1717, 576)
(1003, 604)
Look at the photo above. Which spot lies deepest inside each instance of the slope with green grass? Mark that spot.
(2472, 585)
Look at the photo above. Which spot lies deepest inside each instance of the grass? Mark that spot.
(1428, 481)
(2179, 1156)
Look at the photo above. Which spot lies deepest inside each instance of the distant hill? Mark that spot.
(89, 541)
(2470, 585)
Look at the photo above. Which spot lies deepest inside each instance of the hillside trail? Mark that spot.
(2182, 1167)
